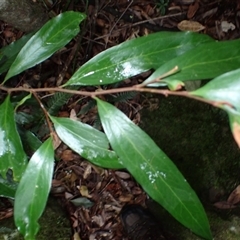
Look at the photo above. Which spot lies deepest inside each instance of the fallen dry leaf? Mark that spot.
(8, 33)
(123, 175)
(84, 191)
(73, 115)
(63, 114)
(67, 155)
(226, 26)
(56, 141)
(87, 171)
(192, 26)
(76, 236)
(192, 10)
(234, 197)
(126, 198)
(224, 205)
(98, 219)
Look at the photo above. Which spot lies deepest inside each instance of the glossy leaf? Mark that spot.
(135, 56)
(7, 188)
(9, 53)
(30, 141)
(153, 170)
(87, 141)
(32, 192)
(55, 34)
(223, 90)
(24, 118)
(206, 61)
(12, 155)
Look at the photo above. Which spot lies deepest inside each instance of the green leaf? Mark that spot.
(87, 141)
(24, 118)
(223, 90)
(7, 188)
(153, 170)
(206, 61)
(51, 37)
(27, 97)
(135, 56)
(12, 155)
(32, 192)
(30, 141)
(9, 53)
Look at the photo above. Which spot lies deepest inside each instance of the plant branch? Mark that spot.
(45, 113)
(158, 79)
(137, 88)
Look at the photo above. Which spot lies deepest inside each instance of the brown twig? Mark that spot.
(114, 25)
(158, 79)
(44, 111)
(112, 91)
(67, 63)
(150, 26)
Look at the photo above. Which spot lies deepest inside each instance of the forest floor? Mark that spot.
(93, 196)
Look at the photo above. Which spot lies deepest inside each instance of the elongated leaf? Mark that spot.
(23, 100)
(135, 56)
(30, 141)
(12, 155)
(87, 141)
(33, 190)
(7, 188)
(51, 37)
(206, 61)
(158, 176)
(223, 90)
(7, 191)
(9, 53)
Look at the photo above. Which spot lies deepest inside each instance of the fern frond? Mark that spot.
(122, 97)
(57, 101)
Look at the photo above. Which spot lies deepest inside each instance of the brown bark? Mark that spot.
(24, 15)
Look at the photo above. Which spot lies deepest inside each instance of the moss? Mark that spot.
(54, 224)
(197, 138)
